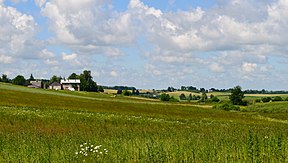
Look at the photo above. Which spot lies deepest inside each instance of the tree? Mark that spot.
(119, 92)
(55, 78)
(87, 83)
(190, 97)
(203, 97)
(236, 96)
(126, 93)
(137, 92)
(73, 76)
(31, 78)
(165, 97)
(101, 89)
(182, 97)
(5, 79)
(19, 80)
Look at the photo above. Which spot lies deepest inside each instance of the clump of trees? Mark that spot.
(167, 97)
(5, 79)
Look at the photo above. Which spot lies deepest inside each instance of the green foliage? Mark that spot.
(19, 80)
(55, 78)
(74, 76)
(227, 106)
(214, 99)
(277, 98)
(236, 96)
(172, 99)
(165, 97)
(87, 83)
(258, 100)
(127, 93)
(31, 78)
(100, 89)
(4, 78)
(273, 107)
(204, 97)
(182, 97)
(266, 99)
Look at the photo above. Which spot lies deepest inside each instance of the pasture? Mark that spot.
(53, 126)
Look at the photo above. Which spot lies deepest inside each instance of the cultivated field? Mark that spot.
(53, 126)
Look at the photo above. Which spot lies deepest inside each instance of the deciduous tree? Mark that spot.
(236, 96)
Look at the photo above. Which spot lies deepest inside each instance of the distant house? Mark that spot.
(35, 84)
(55, 85)
(71, 84)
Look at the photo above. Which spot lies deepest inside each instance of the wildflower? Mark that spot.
(81, 145)
(266, 137)
(76, 153)
(100, 153)
(91, 146)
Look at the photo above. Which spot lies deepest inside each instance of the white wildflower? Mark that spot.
(76, 153)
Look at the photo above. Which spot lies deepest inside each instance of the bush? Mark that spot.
(277, 98)
(214, 99)
(172, 99)
(126, 93)
(164, 97)
(258, 100)
(266, 99)
(245, 103)
(286, 99)
(226, 106)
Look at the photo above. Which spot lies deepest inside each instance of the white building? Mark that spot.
(71, 84)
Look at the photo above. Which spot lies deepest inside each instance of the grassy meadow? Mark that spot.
(58, 126)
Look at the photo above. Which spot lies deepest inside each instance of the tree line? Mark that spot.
(86, 81)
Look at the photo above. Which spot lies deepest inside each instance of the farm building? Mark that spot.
(71, 84)
(35, 84)
(55, 85)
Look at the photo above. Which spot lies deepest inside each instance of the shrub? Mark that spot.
(226, 106)
(172, 99)
(245, 103)
(277, 98)
(258, 100)
(126, 93)
(286, 99)
(164, 97)
(214, 99)
(266, 99)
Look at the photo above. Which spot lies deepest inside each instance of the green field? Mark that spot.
(50, 126)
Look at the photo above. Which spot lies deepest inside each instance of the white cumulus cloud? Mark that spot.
(5, 59)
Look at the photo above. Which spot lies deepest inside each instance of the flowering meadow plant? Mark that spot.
(89, 151)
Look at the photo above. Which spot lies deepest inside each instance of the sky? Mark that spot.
(150, 43)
